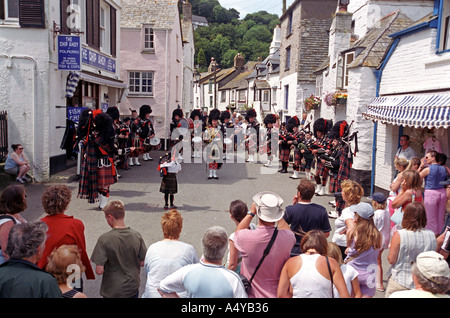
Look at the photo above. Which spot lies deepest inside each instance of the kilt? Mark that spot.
(169, 183)
(106, 176)
(284, 154)
(320, 167)
(297, 157)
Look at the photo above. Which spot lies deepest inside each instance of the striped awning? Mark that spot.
(417, 110)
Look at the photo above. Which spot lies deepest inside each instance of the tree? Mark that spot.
(201, 59)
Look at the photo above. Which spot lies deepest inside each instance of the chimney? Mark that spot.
(340, 34)
(213, 65)
(239, 62)
(276, 41)
(187, 11)
(284, 6)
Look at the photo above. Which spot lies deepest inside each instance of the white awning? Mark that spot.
(102, 81)
(416, 110)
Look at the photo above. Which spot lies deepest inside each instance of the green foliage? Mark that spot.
(228, 35)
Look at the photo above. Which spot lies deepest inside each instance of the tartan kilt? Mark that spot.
(284, 154)
(106, 176)
(297, 157)
(320, 167)
(169, 183)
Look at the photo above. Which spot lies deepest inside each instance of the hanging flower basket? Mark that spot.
(330, 99)
(341, 99)
(312, 102)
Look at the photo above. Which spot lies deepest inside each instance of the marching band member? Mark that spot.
(124, 140)
(196, 138)
(285, 148)
(321, 127)
(177, 115)
(269, 121)
(146, 132)
(169, 186)
(213, 138)
(252, 134)
(115, 115)
(305, 149)
(295, 138)
(227, 128)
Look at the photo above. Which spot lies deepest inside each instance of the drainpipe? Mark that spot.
(34, 92)
(166, 108)
(378, 74)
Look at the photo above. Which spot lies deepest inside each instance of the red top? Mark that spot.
(65, 229)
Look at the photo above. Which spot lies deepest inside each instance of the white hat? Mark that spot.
(432, 264)
(269, 206)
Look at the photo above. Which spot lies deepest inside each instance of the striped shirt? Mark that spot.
(204, 281)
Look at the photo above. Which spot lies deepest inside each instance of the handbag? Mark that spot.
(248, 282)
(397, 217)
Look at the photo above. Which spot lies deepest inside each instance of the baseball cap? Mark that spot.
(432, 264)
(378, 197)
(364, 210)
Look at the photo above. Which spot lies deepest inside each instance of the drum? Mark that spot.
(228, 141)
(155, 141)
(183, 127)
(197, 140)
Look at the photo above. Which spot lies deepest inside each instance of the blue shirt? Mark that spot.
(436, 175)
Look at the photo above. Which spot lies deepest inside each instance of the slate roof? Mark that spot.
(161, 13)
(377, 41)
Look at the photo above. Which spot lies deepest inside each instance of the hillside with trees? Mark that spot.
(228, 35)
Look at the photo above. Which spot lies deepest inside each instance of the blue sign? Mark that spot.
(69, 53)
(73, 113)
(98, 60)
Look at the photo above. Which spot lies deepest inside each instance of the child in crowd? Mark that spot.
(238, 211)
(119, 254)
(350, 274)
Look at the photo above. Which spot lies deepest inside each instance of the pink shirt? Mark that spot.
(252, 244)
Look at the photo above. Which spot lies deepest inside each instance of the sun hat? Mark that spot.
(269, 206)
(432, 264)
(364, 210)
(378, 197)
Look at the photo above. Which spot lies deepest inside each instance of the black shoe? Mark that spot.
(284, 171)
(209, 178)
(173, 207)
(217, 178)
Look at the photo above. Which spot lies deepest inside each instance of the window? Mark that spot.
(104, 28)
(319, 85)
(288, 58)
(241, 95)
(444, 27)
(148, 39)
(343, 62)
(274, 94)
(210, 87)
(223, 96)
(140, 83)
(289, 26)
(266, 96)
(9, 10)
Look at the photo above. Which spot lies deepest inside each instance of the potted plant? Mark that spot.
(312, 102)
(330, 99)
(341, 99)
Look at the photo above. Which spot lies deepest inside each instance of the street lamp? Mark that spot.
(197, 77)
(214, 68)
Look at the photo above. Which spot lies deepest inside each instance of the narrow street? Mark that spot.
(203, 203)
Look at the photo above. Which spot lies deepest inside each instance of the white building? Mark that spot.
(34, 90)
(414, 91)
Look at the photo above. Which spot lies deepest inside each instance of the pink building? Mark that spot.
(151, 53)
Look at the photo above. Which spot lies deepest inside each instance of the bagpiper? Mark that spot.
(214, 144)
(196, 137)
(321, 127)
(227, 130)
(252, 135)
(175, 139)
(269, 121)
(292, 127)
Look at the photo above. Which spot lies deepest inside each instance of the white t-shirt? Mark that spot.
(349, 274)
(162, 259)
(408, 153)
(204, 280)
(341, 239)
(382, 221)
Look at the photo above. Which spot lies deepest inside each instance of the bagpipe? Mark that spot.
(164, 159)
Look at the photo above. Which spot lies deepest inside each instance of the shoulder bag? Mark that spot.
(331, 277)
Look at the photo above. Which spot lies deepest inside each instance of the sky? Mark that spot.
(252, 6)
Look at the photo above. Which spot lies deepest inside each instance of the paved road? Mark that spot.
(202, 203)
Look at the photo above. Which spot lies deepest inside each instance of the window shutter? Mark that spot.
(31, 14)
(96, 23)
(2, 9)
(64, 16)
(113, 31)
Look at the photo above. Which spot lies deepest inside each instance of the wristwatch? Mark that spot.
(250, 213)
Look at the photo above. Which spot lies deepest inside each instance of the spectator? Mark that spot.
(19, 276)
(119, 254)
(63, 228)
(383, 224)
(364, 241)
(17, 164)
(352, 193)
(166, 256)
(308, 275)
(405, 150)
(350, 274)
(207, 279)
(401, 165)
(443, 241)
(12, 202)
(435, 197)
(406, 244)
(414, 163)
(64, 263)
(411, 190)
(304, 216)
(238, 211)
(268, 206)
(431, 277)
